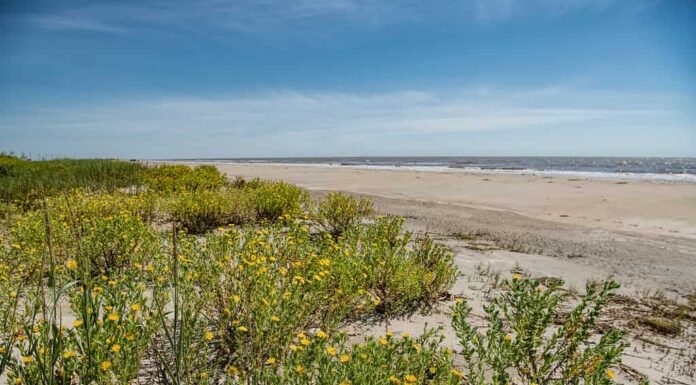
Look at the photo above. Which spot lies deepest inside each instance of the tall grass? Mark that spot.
(24, 182)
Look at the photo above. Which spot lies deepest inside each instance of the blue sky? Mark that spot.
(245, 78)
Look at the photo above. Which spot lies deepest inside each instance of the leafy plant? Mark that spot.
(200, 211)
(521, 343)
(336, 212)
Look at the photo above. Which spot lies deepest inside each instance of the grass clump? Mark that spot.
(663, 325)
(276, 199)
(180, 178)
(337, 212)
(24, 182)
(200, 211)
(523, 345)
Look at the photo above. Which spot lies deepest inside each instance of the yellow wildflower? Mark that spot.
(611, 373)
(410, 378)
(135, 307)
(71, 264)
(113, 316)
(232, 371)
(300, 369)
(383, 341)
(116, 348)
(242, 329)
(270, 361)
(330, 350)
(106, 365)
(209, 335)
(344, 358)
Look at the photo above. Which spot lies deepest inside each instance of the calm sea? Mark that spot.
(660, 169)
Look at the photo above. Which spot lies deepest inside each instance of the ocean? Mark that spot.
(678, 170)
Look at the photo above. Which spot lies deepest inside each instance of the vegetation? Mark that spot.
(337, 212)
(212, 283)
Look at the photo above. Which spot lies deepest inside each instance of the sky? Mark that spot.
(260, 78)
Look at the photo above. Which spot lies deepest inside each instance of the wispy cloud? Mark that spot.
(253, 16)
(292, 123)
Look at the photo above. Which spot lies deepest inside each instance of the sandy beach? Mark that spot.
(641, 233)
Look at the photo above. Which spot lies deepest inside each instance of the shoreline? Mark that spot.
(596, 175)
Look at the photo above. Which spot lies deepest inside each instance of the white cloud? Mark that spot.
(287, 123)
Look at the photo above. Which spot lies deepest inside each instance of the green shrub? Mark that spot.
(200, 211)
(522, 344)
(276, 199)
(399, 276)
(180, 178)
(337, 212)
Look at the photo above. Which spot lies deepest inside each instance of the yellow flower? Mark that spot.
(275, 318)
(270, 361)
(417, 347)
(135, 307)
(116, 348)
(611, 373)
(330, 350)
(209, 335)
(383, 341)
(130, 337)
(432, 370)
(71, 264)
(304, 341)
(376, 301)
(113, 316)
(410, 378)
(27, 359)
(344, 358)
(106, 365)
(242, 329)
(294, 347)
(69, 354)
(457, 373)
(516, 277)
(232, 371)
(389, 334)
(300, 369)
(321, 334)
(507, 338)
(236, 298)
(405, 335)
(394, 380)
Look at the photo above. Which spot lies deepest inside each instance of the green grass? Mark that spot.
(23, 181)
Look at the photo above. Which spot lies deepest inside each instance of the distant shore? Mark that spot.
(640, 232)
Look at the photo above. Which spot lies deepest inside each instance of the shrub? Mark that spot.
(276, 199)
(320, 358)
(200, 211)
(180, 178)
(399, 277)
(521, 343)
(337, 212)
